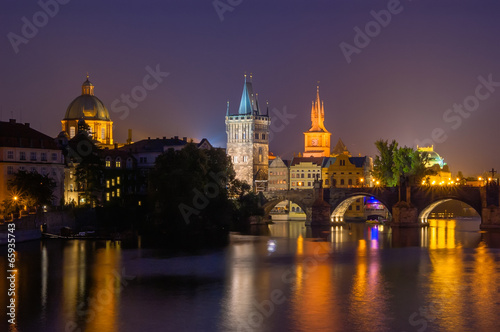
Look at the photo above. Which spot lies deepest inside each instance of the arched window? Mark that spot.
(129, 163)
(341, 182)
(108, 162)
(350, 182)
(118, 162)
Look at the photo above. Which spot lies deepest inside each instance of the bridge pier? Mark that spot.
(490, 217)
(405, 215)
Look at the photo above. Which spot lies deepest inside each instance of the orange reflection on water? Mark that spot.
(442, 234)
(447, 288)
(484, 288)
(314, 285)
(105, 292)
(367, 297)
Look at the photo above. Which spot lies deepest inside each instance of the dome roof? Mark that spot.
(87, 106)
(433, 158)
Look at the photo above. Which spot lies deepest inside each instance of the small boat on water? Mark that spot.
(375, 219)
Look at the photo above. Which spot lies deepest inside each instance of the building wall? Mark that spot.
(11, 161)
(248, 145)
(96, 127)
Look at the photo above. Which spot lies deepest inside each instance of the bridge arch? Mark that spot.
(339, 211)
(426, 211)
(272, 203)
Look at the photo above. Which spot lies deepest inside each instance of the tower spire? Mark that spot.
(227, 110)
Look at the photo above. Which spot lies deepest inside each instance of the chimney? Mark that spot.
(164, 137)
(27, 124)
(12, 120)
(176, 137)
(149, 138)
(129, 139)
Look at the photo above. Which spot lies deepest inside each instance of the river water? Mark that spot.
(357, 277)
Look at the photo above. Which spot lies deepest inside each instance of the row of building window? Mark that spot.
(112, 194)
(118, 162)
(277, 181)
(43, 170)
(112, 182)
(72, 132)
(33, 156)
(277, 173)
(302, 175)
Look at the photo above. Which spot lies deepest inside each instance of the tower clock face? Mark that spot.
(314, 142)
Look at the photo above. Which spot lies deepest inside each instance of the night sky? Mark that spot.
(399, 85)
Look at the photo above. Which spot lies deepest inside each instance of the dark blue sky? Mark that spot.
(399, 86)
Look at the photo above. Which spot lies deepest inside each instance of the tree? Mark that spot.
(399, 165)
(383, 166)
(30, 189)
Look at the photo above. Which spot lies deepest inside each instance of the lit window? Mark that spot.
(113, 182)
(107, 183)
(108, 163)
(71, 132)
(103, 133)
(107, 197)
(113, 194)
(118, 180)
(245, 159)
(117, 192)
(118, 164)
(139, 203)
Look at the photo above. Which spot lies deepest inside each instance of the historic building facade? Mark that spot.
(89, 109)
(317, 138)
(248, 140)
(25, 149)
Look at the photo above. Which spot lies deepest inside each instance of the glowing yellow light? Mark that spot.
(423, 182)
(480, 178)
(434, 182)
(362, 180)
(489, 179)
(458, 179)
(378, 182)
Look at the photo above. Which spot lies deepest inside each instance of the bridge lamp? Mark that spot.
(433, 182)
(489, 179)
(377, 183)
(480, 178)
(15, 198)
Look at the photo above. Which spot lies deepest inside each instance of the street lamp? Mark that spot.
(362, 182)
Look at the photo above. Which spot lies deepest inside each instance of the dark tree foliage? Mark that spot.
(191, 190)
(31, 189)
(399, 165)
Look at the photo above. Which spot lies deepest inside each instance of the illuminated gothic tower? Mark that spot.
(248, 139)
(89, 108)
(317, 139)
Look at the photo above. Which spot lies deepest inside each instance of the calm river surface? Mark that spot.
(289, 278)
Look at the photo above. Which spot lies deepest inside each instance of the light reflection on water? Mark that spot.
(355, 277)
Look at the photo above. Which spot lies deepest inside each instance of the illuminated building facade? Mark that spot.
(248, 140)
(25, 149)
(90, 109)
(317, 138)
(436, 162)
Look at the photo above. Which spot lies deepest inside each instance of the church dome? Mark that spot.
(433, 158)
(87, 106)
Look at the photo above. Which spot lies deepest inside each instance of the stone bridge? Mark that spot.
(409, 206)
